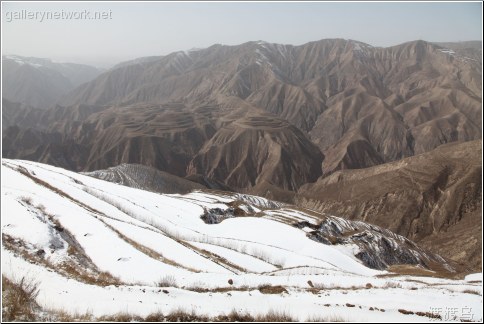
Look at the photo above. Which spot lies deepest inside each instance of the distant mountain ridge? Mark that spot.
(40, 82)
(335, 90)
(360, 105)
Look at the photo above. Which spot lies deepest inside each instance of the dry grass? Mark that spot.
(142, 248)
(392, 284)
(18, 299)
(213, 257)
(19, 247)
(417, 281)
(18, 304)
(429, 315)
(472, 291)
(64, 316)
(275, 316)
(71, 250)
(235, 316)
(323, 286)
(181, 315)
(155, 317)
(269, 289)
(318, 286)
(66, 269)
(101, 278)
(200, 289)
(27, 200)
(167, 281)
(61, 193)
(146, 250)
(266, 257)
(120, 317)
(167, 231)
(410, 270)
(323, 319)
(406, 312)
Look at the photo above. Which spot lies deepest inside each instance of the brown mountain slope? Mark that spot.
(162, 136)
(361, 105)
(235, 146)
(46, 147)
(396, 101)
(259, 148)
(433, 198)
(360, 130)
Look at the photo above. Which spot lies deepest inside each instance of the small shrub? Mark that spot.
(406, 312)
(18, 299)
(197, 286)
(155, 317)
(26, 199)
(71, 250)
(41, 208)
(392, 284)
(167, 281)
(322, 286)
(280, 262)
(429, 315)
(268, 289)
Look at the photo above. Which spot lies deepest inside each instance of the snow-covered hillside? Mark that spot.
(105, 248)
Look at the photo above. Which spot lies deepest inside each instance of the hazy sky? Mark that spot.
(137, 29)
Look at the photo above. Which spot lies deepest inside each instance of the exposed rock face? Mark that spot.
(378, 248)
(432, 198)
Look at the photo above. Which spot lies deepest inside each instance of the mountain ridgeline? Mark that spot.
(39, 82)
(360, 105)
